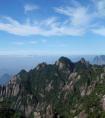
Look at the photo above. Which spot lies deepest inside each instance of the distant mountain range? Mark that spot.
(99, 60)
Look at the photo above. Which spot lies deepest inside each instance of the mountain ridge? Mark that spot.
(60, 90)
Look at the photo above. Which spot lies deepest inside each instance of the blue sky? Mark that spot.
(52, 27)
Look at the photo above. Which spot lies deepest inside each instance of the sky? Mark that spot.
(52, 27)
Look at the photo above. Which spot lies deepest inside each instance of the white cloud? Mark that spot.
(14, 27)
(30, 8)
(99, 31)
(77, 16)
(100, 17)
(78, 20)
(71, 31)
(48, 27)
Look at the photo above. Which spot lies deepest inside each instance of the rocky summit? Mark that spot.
(61, 90)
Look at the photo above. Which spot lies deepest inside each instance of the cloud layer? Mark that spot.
(79, 20)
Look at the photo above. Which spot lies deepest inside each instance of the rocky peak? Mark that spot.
(63, 63)
(83, 61)
(40, 66)
(22, 72)
(64, 60)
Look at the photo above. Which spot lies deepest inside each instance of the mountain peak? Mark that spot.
(64, 62)
(42, 65)
(83, 61)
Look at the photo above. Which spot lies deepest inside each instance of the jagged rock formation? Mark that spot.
(61, 90)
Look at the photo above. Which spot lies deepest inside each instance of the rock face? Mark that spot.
(65, 63)
(103, 102)
(61, 90)
(11, 89)
(83, 115)
(40, 66)
(37, 115)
